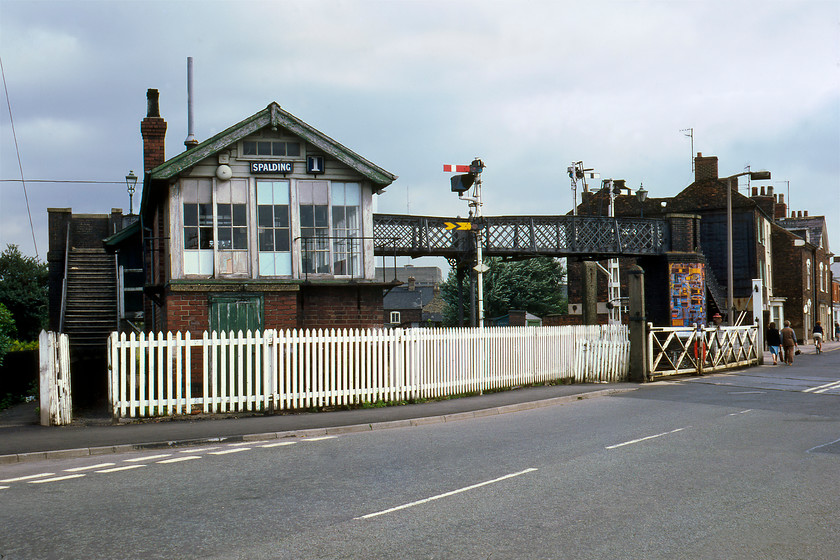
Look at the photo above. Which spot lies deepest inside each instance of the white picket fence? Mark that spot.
(168, 374)
(55, 401)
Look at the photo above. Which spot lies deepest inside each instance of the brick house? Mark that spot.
(694, 272)
(802, 271)
(267, 224)
(417, 301)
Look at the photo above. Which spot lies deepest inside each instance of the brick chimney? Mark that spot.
(780, 211)
(705, 167)
(411, 283)
(153, 129)
(765, 200)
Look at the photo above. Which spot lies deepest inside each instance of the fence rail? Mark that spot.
(170, 374)
(674, 351)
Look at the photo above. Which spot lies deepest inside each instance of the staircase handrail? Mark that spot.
(64, 281)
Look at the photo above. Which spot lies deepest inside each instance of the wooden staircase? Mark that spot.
(90, 312)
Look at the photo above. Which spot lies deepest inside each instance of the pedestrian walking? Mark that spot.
(788, 343)
(774, 341)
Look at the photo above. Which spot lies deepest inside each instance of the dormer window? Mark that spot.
(268, 148)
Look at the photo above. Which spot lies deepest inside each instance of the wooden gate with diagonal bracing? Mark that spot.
(675, 351)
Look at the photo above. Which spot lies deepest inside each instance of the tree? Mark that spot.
(7, 331)
(534, 285)
(24, 291)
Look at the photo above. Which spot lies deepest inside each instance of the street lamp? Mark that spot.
(131, 183)
(730, 301)
(641, 194)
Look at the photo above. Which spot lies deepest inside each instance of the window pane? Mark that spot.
(266, 239)
(338, 194)
(240, 215)
(281, 192)
(307, 217)
(224, 217)
(224, 238)
(292, 149)
(264, 217)
(353, 218)
(240, 238)
(321, 217)
(190, 214)
(279, 148)
(353, 194)
(263, 148)
(281, 216)
(249, 148)
(205, 215)
(264, 191)
(281, 240)
(205, 238)
(338, 219)
(191, 238)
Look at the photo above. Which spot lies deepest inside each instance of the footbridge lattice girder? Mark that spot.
(558, 236)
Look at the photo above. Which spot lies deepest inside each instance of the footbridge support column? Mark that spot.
(589, 289)
(638, 326)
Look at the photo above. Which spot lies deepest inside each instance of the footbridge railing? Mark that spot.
(559, 236)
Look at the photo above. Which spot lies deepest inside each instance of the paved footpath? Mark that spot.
(23, 439)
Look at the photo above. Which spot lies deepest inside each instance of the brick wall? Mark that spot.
(280, 310)
(340, 307)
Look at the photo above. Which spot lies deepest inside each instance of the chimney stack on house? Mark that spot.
(765, 200)
(153, 129)
(780, 212)
(705, 167)
(411, 283)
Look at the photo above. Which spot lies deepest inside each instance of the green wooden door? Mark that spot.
(235, 313)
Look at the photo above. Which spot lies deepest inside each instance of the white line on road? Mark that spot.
(56, 479)
(644, 438)
(99, 466)
(179, 459)
(279, 444)
(742, 412)
(823, 388)
(198, 450)
(446, 495)
(319, 438)
(823, 445)
(747, 392)
(4, 487)
(149, 458)
(18, 479)
(234, 450)
(117, 469)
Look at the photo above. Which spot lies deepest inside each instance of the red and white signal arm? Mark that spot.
(451, 168)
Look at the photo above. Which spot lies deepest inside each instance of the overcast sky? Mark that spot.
(411, 85)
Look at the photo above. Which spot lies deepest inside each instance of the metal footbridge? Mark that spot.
(592, 237)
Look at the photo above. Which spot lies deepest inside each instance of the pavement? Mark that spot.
(22, 438)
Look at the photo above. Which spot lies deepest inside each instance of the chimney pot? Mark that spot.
(152, 103)
(755, 191)
(411, 283)
(769, 190)
(762, 191)
(806, 213)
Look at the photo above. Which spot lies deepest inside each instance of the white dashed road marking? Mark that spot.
(117, 469)
(644, 438)
(179, 459)
(149, 458)
(56, 479)
(99, 466)
(31, 476)
(446, 495)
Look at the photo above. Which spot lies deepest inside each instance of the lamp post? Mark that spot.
(131, 183)
(730, 300)
(641, 194)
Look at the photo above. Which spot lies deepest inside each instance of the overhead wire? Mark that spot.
(17, 151)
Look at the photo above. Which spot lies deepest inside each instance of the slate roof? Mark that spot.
(813, 227)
